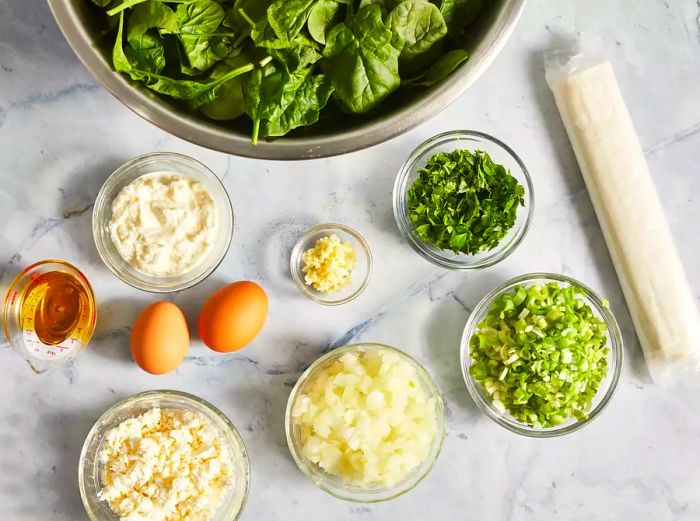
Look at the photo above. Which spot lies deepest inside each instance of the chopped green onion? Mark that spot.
(540, 354)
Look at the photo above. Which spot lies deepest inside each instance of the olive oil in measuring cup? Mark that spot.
(49, 314)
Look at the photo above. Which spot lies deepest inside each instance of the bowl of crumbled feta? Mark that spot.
(365, 423)
(163, 456)
(162, 222)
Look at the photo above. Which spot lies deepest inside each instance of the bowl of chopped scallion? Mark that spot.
(542, 355)
(463, 200)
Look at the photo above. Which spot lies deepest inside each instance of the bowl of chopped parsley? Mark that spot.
(463, 200)
(542, 355)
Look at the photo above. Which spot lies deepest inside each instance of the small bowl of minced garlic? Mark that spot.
(331, 264)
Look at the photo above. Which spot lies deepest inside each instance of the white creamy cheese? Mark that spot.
(164, 224)
(165, 465)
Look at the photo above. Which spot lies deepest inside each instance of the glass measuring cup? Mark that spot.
(49, 314)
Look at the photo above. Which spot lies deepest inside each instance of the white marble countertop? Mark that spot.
(61, 135)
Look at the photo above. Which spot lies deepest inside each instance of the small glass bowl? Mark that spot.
(448, 142)
(147, 164)
(360, 275)
(607, 386)
(334, 485)
(90, 471)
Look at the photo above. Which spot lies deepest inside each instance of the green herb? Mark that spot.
(464, 202)
(541, 354)
(353, 54)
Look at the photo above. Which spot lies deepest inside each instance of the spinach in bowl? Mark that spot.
(285, 64)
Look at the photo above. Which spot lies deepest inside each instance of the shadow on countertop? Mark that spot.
(54, 488)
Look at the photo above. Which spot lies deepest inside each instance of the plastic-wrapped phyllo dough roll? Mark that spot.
(629, 211)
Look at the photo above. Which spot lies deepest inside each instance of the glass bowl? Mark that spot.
(607, 386)
(448, 142)
(128, 172)
(90, 470)
(360, 275)
(333, 484)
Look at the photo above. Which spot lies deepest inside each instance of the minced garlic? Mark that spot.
(165, 465)
(328, 265)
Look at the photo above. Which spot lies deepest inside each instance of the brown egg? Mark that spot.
(233, 316)
(159, 338)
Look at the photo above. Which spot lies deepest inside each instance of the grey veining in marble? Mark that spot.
(61, 135)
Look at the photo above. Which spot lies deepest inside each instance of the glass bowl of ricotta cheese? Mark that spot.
(162, 222)
(164, 455)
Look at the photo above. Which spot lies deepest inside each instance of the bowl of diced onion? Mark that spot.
(542, 355)
(365, 423)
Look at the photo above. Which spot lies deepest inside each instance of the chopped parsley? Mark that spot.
(464, 202)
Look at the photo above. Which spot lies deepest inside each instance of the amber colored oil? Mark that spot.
(54, 302)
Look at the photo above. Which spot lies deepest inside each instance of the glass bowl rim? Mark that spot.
(101, 202)
(615, 344)
(158, 394)
(400, 191)
(309, 470)
(295, 260)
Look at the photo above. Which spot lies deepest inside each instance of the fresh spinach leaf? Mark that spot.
(288, 17)
(324, 15)
(460, 13)
(128, 4)
(196, 92)
(254, 10)
(229, 101)
(119, 58)
(296, 57)
(441, 69)
(418, 31)
(264, 36)
(269, 92)
(152, 15)
(146, 50)
(197, 23)
(304, 109)
(360, 61)
(386, 5)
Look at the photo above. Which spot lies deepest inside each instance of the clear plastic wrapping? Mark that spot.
(612, 162)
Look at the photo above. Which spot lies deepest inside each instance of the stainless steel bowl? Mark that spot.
(87, 38)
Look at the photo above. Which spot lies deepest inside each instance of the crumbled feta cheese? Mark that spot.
(165, 465)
